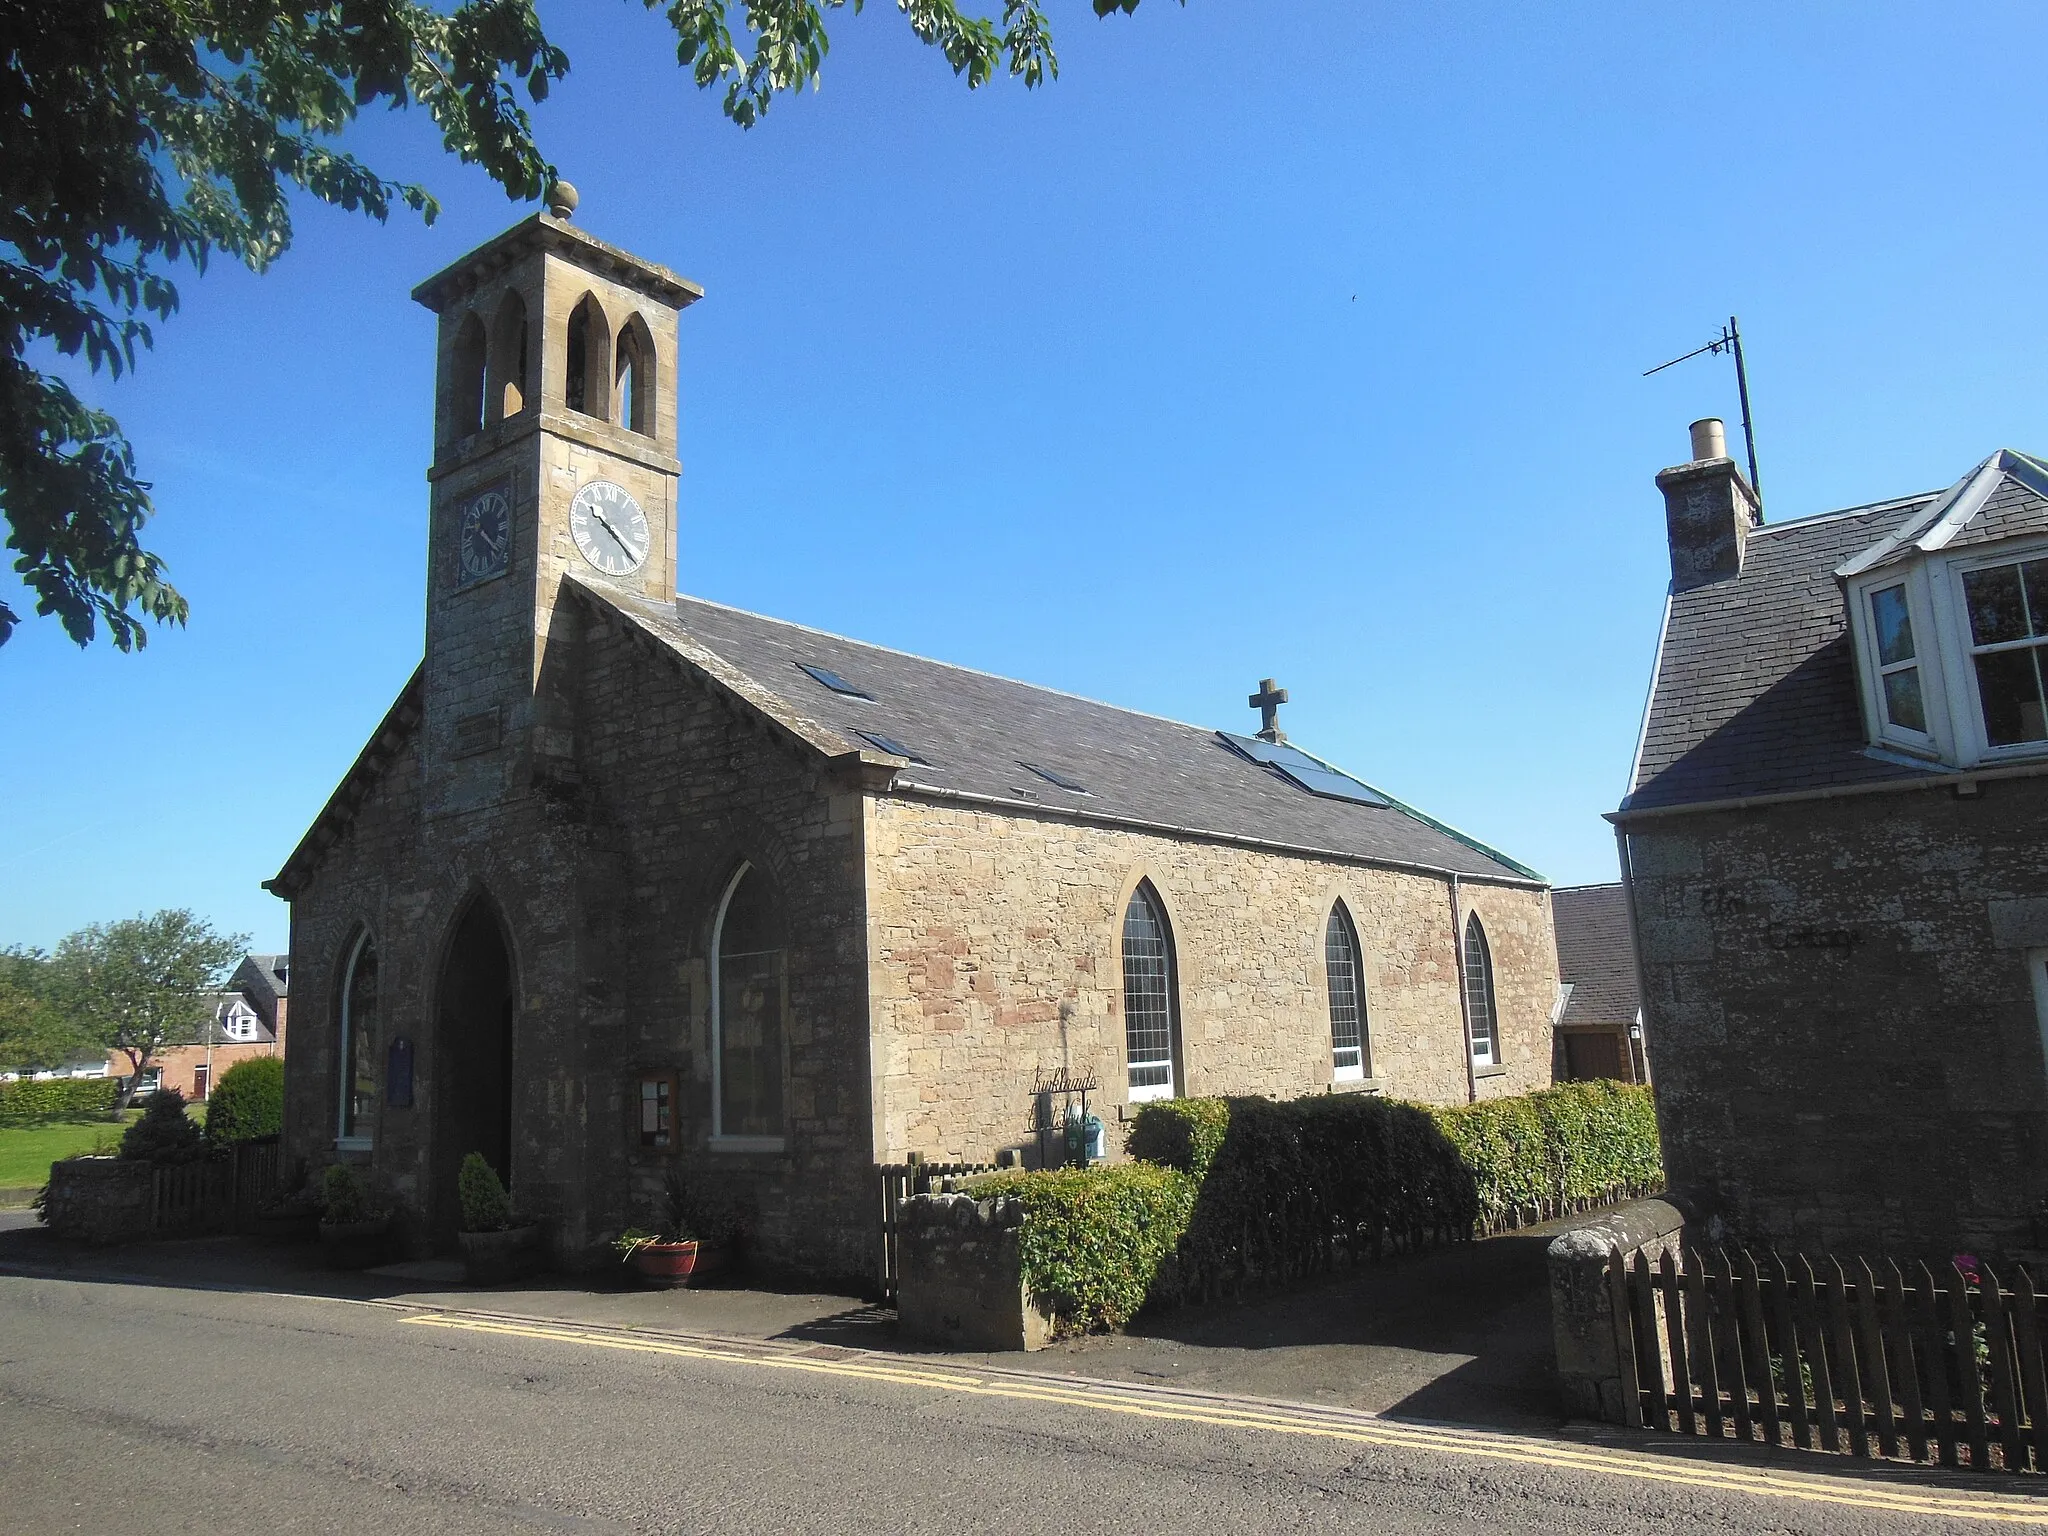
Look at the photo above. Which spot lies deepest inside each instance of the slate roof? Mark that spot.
(1756, 691)
(979, 731)
(1596, 955)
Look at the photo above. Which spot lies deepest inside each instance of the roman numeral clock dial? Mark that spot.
(609, 528)
(484, 546)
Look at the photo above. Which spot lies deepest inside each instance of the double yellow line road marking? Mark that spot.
(1856, 1490)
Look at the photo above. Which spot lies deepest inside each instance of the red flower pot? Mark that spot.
(665, 1265)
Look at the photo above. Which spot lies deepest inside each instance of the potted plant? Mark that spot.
(667, 1257)
(292, 1217)
(352, 1230)
(496, 1244)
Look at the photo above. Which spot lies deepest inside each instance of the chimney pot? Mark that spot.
(1709, 439)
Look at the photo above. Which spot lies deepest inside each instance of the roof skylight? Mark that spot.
(893, 747)
(835, 682)
(1303, 771)
(1054, 776)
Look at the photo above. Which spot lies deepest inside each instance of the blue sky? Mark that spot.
(1298, 341)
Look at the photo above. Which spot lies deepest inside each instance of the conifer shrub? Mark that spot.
(344, 1197)
(247, 1102)
(59, 1098)
(165, 1133)
(486, 1207)
(1226, 1195)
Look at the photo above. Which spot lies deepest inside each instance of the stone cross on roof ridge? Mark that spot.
(1267, 702)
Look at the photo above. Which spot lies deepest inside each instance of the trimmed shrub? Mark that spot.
(1095, 1240)
(165, 1133)
(1236, 1193)
(247, 1102)
(344, 1196)
(485, 1205)
(58, 1098)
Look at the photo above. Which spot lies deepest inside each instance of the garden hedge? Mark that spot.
(58, 1098)
(247, 1102)
(1229, 1194)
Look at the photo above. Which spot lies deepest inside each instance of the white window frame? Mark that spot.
(1342, 1071)
(1959, 658)
(1148, 1093)
(352, 1141)
(1492, 1057)
(720, 1142)
(1930, 655)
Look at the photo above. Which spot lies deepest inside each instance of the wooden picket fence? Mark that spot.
(899, 1181)
(1917, 1363)
(219, 1194)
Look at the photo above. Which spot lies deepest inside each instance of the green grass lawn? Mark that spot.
(27, 1151)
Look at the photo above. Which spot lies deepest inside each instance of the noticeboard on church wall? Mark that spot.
(654, 1110)
(398, 1074)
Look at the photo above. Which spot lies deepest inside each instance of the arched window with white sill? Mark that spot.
(1482, 1018)
(1350, 1046)
(357, 1054)
(749, 1014)
(1151, 1007)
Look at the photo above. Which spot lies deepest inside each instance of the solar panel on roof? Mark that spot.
(894, 747)
(1303, 771)
(835, 682)
(1054, 776)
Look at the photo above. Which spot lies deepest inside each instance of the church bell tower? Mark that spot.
(554, 452)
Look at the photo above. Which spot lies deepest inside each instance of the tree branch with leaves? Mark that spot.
(141, 135)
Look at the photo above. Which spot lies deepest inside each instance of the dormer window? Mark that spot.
(2008, 612)
(1898, 661)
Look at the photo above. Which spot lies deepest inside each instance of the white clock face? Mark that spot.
(609, 528)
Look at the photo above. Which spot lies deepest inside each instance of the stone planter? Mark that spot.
(664, 1266)
(491, 1258)
(287, 1224)
(355, 1244)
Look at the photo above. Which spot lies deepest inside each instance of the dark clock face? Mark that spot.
(484, 548)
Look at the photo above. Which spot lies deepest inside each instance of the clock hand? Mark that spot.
(617, 537)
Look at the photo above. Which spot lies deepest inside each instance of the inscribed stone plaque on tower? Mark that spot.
(475, 733)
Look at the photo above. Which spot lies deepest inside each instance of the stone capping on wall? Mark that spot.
(1583, 1317)
(961, 1280)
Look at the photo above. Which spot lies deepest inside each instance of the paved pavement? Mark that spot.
(163, 1395)
(158, 1408)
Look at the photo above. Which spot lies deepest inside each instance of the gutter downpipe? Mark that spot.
(1628, 897)
(1464, 993)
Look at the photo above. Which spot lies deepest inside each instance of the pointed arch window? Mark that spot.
(505, 386)
(357, 1053)
(633, 379)
(1350, 1050)
(1151, 1022)
(466, 380)
(1482, 1019)
(749, 1015)
(587, 375)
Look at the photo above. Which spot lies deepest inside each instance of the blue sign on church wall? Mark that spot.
(398, 1074)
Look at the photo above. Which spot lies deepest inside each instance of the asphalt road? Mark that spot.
(130, 1408)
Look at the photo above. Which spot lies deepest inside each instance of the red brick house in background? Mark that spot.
(1600, 1028)
(247, 1019)
(1835, 846)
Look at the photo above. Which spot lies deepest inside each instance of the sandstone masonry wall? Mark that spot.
(982, 925)
(1839, 1015)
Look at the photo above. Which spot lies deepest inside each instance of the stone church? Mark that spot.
(626, 884)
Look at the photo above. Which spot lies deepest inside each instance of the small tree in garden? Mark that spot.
(165, 1133)
(140, 984)
(247, 1102)
(34, 1032)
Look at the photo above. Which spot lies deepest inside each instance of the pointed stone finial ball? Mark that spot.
(562, 200)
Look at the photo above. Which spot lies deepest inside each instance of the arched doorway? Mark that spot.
(472, 1057)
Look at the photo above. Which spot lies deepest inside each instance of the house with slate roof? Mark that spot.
(1835, 845)
(1600, 1028)
(627, 884)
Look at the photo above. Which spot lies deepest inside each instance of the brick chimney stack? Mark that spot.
(1709, 510)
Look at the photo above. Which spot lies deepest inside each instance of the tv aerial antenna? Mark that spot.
(1730, 341)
